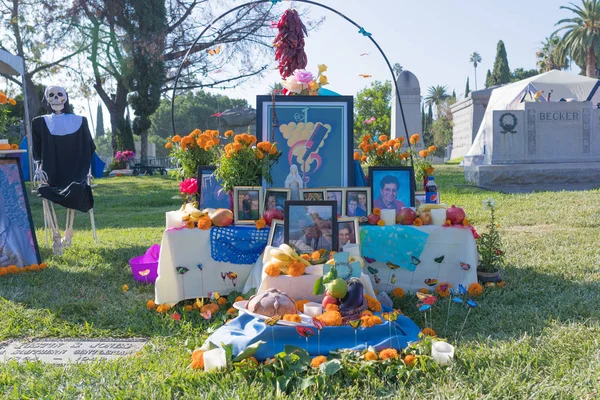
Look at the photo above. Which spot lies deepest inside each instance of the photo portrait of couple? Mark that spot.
(311, 226)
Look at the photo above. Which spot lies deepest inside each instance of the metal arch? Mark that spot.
(251, 3)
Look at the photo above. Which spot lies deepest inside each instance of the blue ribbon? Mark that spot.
(361, 31)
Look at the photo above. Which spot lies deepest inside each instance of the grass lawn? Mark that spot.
(539, 337)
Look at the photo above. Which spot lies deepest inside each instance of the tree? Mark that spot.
(475, 59)
(374, 101)
(582, 34)
(99, 122)
(520, 73)
(397, 69)
(436, 95)
(454, 94)
(549, 58)
(467, 90)
(501, 71)
(488, 79)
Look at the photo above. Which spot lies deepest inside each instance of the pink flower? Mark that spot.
(303, 76)
(189, 186)
(175, 316)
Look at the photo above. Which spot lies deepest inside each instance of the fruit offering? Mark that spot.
(284, 260)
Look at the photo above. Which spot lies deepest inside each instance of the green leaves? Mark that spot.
(248, 351)
(319, 288)
(331, 367)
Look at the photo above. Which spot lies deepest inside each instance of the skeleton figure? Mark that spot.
(62, 152)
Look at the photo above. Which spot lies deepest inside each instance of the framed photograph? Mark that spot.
(312, 194)
(311, 225)
(276, 198)
(392, 187)
(337, 195)
(210, 191)
(247, 204)
(315, 136)
(357, 202)
(420, 198)
(348, 232)
(276, 235)
(18, 244)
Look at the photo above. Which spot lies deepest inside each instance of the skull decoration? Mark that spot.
(56, 97)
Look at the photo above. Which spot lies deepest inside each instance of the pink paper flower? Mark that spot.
(189, 186)
(303, 76)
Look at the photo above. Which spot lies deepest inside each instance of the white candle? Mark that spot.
(313, 309)
(438, 216)
(214, 359)
(174, 219)
(388, 216)
(442, 352)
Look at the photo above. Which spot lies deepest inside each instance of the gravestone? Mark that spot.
(410, 94)
(467, 115)
(69, 351)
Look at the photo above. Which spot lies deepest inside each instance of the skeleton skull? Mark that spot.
(56, 96)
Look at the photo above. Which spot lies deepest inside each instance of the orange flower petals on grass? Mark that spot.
(197, 360)
(410, 360)
(429, 332)
(388, 354)
(317, 361)
(371, 356)
(398, 293)
(475, 289)
(150, 305)
(222, 301)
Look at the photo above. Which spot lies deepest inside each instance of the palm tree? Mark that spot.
(397, 69)
(436, 95)
(582, 34)
(475, 59)
(548, 58)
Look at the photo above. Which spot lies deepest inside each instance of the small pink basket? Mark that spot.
(145, 268)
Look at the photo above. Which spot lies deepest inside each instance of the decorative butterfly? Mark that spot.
(472, 303)
(457, 300)
(461, 289)
(365, 54)
(499, 252)
(465, 266)
(233, 276)
(377, 280)
(214, 51)
(431, 282)
(317, 323)
(182, 270)
(391, 265)
(304, 331)
(424, 307)
(439, 259)
(393, 279)
(415, 260)
(273, 320)
(223, 276)
(356, 323)
(428, 299)
(369, 259)
(365, 75)
(199, 303)
(144, 272)
(391, 316)
(214, 295)
(207, 315)
(372, 270)
(369, 121)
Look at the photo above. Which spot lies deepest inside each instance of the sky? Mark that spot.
(432, 39)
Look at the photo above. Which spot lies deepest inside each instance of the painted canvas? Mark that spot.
(18, 244)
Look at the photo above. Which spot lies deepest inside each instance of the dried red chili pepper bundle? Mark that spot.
(290, 43)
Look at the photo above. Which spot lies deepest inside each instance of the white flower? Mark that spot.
(489, 203)
(292, 84)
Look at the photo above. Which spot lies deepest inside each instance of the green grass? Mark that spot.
(536, 338)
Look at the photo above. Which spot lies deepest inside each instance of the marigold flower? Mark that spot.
(363, 159)
(305, 257)
(189, 223)
(418, 222)
(410, 360)
(424, 290)
(212, 307)
(376, 211)
(429, 170)
(466, 222)
(429, 332)
(323, 80)
(300, 305)
(292, 318)
(197, 360)
(222, 301)
(371, 320)
(322, 68)
(150, 305)
(443, 289)
(43, 265)
(273, 150)
(373, 304)
(448, 222)
(414, 139)
(398, 292)
(253, 361)
(260, 224)
(383, 138)
(315, 255)
(330, 318)
(331, 254)
(381, 222)
(432, 149)
(272, 270)
(475, 289)
(125, 288)
(388, 353)
(12, 102)
(357, 156)
(231, 311)
(163, 308)
(296, 268)
(332, 307)
(366, 138)
(423, 153)
(228, 133)
(236, 147)
(204, 223)
(168, 145)
(260, 155)
(239, 298)
(366, 312)
(176, 139)
(317, 361)
(371, 356)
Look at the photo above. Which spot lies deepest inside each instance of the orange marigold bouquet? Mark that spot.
(244, 162)
(5, 118)
(382, 151)
(196, 149)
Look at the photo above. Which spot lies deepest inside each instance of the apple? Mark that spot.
(405, 216)
(270, 215)
(328, 299)
(373, 219)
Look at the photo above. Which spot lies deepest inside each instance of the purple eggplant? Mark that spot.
(354, 298)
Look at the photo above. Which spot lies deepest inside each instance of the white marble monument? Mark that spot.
(467, 115)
